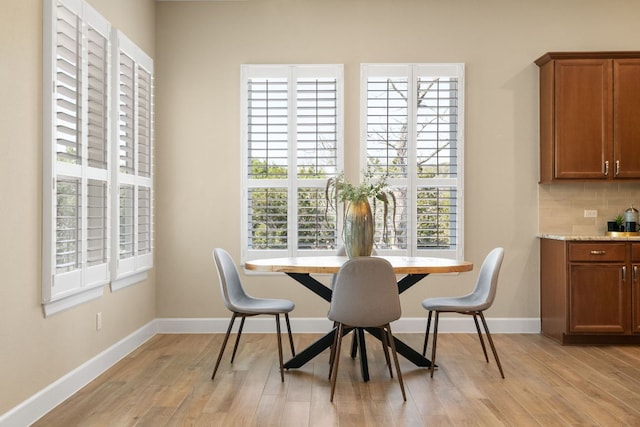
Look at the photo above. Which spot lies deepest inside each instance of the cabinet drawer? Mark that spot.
(635, 252)
(597, 251)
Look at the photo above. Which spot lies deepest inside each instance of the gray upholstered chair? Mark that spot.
(365, 294)
(474, 304)
(242, 305)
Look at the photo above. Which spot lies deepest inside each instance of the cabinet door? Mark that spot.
(598, 298)
(635, 287)
(626, 124)
(583, 129)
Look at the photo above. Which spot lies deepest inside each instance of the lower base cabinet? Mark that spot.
(590, 291)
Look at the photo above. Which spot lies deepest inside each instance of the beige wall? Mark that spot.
(35, 351)
(203, 44)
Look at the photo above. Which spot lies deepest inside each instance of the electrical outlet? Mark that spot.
(590, 213)
(98, 321)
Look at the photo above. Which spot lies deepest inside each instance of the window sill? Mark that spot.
(127, 281)
(53, 307)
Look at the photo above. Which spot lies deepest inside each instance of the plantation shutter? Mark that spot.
(412, 132)
(75, 153)
(133, 162)
(292, 137)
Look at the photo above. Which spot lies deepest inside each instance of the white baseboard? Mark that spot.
(304, 325)
(51, 396)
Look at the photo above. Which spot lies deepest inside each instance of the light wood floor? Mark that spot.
(166, 382)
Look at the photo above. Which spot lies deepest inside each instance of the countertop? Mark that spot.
(588, 237)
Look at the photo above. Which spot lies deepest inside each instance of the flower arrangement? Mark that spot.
(372, 188)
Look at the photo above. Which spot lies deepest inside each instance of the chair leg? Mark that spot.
(336, 359)
(435, 342)
(385, 349)
(333, 347)
(277, 316)
(235, 346)
(484, 348)
(493, 347)
(426, 334)
(395, 359)
(354, 344)
(286, 318)
(224, 344)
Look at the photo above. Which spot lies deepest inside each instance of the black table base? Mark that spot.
(325, 341)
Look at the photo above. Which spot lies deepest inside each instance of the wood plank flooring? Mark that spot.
(166, 382)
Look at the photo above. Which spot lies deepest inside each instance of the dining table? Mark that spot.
(302, 268)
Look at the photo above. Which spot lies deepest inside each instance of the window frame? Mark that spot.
(79, 130)
(132, 269)
(290, 72)
(412, 71)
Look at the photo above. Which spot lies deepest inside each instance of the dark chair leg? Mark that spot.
(484, 348)
(385, 349)
(224, 344)
(277, 316)
(235, 346)
(426, 334)
(493, 348)
(286, 318)
(333, 348)
(354, 344)
(336, 359)
(435, 342)
(395, 358)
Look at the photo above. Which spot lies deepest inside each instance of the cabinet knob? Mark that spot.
(598, 252)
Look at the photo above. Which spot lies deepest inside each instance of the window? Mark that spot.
(132, 163)
(78, 155)
(292, 143)
(412, 132)
(75, 152)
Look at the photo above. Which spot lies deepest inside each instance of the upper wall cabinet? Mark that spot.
(589, 109)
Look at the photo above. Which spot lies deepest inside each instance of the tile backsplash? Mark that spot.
(561, 206)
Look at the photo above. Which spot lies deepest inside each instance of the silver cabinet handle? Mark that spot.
(624, 274)
(606, 168)
(635, 273)
(598, 252)
(617, 167)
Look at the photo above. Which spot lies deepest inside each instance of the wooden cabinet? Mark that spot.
(588, 109)
(589, 291)
(635, 286)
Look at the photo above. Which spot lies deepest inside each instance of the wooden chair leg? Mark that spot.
(336, 360)
(224, 344)
(332, 350)
(426, 334)
(484, 348)
(435, 342)
(395, 359)
(493, 347)
(277, 316)
(385, 349)
(235, 346)
(286, 318)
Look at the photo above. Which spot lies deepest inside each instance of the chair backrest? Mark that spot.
(230, 283)
(342, 251)
(365, 293)
(487, 282)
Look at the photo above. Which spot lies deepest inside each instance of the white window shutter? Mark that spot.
(76, 75)
(133, 162)
(292, 143)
